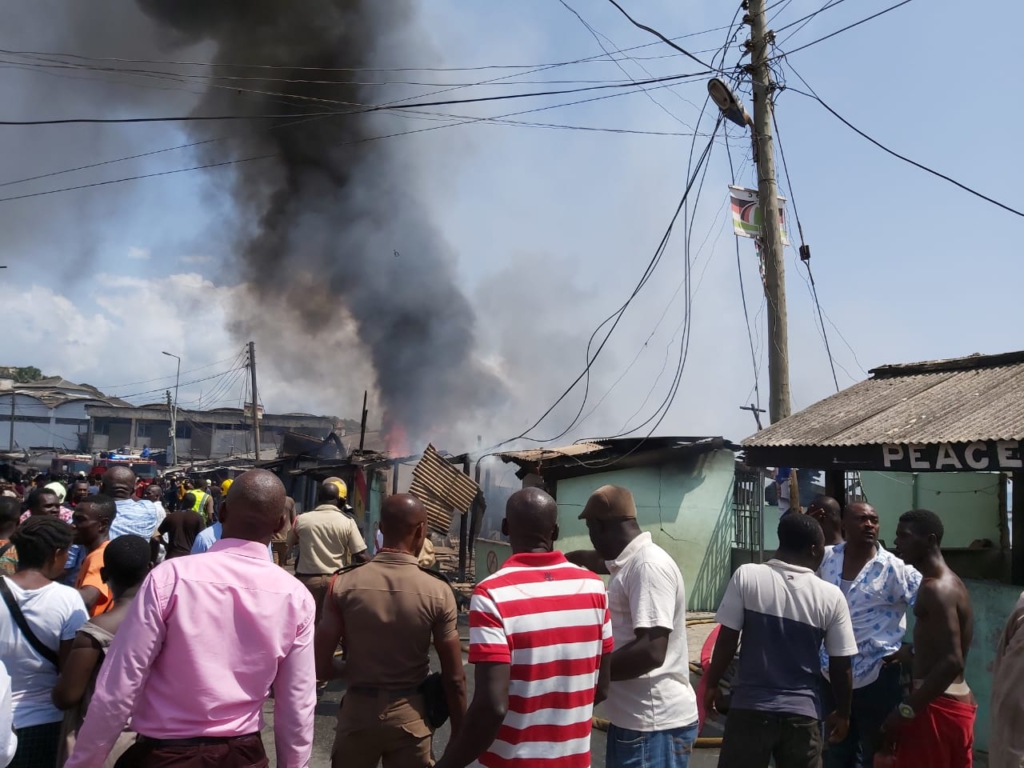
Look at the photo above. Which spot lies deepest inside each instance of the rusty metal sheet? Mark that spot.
(442, 488)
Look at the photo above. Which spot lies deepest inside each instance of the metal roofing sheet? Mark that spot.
(951, 405)
(441, 487)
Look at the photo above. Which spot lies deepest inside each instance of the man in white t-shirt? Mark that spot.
(651, 706)
(783, 612)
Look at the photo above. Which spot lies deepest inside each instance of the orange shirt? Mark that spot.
(89, 576)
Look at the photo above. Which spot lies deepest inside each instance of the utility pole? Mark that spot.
(768, 201)
(14, 397)
(174, 429)
(255, 398)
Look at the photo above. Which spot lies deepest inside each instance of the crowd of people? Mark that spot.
(140, 636)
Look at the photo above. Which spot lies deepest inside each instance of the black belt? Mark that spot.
(312, 575)
(391, 693)
(199, 741)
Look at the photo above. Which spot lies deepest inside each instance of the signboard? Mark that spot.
(980, 456)
(746, 216)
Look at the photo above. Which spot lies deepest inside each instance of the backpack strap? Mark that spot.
(26, 630)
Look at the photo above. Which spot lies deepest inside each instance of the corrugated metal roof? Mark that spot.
(945, 401)
(441, 487)
(547, 454)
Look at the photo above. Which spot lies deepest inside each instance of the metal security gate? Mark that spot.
(748, 511)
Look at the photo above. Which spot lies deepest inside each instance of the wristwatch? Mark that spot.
(906, 711)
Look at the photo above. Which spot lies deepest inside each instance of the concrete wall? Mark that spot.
(967, 502)
(686, 506)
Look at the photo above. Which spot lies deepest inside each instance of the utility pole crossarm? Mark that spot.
(768, 202)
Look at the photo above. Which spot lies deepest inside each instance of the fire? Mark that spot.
(397, 440)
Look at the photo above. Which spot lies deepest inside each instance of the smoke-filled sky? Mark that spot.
(457, 272)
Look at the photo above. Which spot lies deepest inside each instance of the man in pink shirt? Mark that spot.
(206, 638)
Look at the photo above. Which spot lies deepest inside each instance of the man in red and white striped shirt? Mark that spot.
(541, 640)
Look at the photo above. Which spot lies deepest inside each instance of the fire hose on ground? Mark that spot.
(702, 742)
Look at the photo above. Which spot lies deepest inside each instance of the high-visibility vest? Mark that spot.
(201, 498)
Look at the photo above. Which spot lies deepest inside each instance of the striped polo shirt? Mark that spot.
(548, 619)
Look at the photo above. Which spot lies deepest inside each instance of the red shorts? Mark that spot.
(940, 737)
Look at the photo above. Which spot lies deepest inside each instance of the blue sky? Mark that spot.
(551, 228)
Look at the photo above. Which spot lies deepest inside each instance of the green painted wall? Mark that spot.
(967, 502)
(490, 556)
(687, 507)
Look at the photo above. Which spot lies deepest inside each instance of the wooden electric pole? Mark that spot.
(768, 201)
(255, 399)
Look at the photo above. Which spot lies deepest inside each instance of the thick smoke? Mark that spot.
(328, 218)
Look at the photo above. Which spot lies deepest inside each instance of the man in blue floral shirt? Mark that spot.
(879, 588)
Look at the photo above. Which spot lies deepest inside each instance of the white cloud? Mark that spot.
(136, 252)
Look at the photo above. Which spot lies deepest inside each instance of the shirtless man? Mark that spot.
(935, 725)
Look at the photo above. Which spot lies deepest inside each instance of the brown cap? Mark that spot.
(609, 502)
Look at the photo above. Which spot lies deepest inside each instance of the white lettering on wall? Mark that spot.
(972, 458)
(891, 453)
(1009, 454)
(946, 458)
(916, 462)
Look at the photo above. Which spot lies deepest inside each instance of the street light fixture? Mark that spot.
(732, 108)
(174, 411)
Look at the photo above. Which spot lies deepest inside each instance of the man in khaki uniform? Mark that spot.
(386, 614)
(325, 535)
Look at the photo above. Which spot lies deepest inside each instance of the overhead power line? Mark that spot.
(182, 384)
(808, 17)
(814, 96)
(613, 318)
(657, 34)
(844, 29)
(364, 110)
(288, 67)
(103, 387)
(269, 156)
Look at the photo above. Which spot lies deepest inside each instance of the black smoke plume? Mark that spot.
(330, 222)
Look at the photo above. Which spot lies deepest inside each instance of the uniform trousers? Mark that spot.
(382, 727)
(317, 584)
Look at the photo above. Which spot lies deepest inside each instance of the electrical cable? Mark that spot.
(806, 19)
(807, 261)
(104, 387)
(597, 38)
(616, 316)
(814, 96)
(184, 383)
(364, 110)
(656, 33)
(844, 29)
(743, 293)
(343, 69)
(273, 155)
